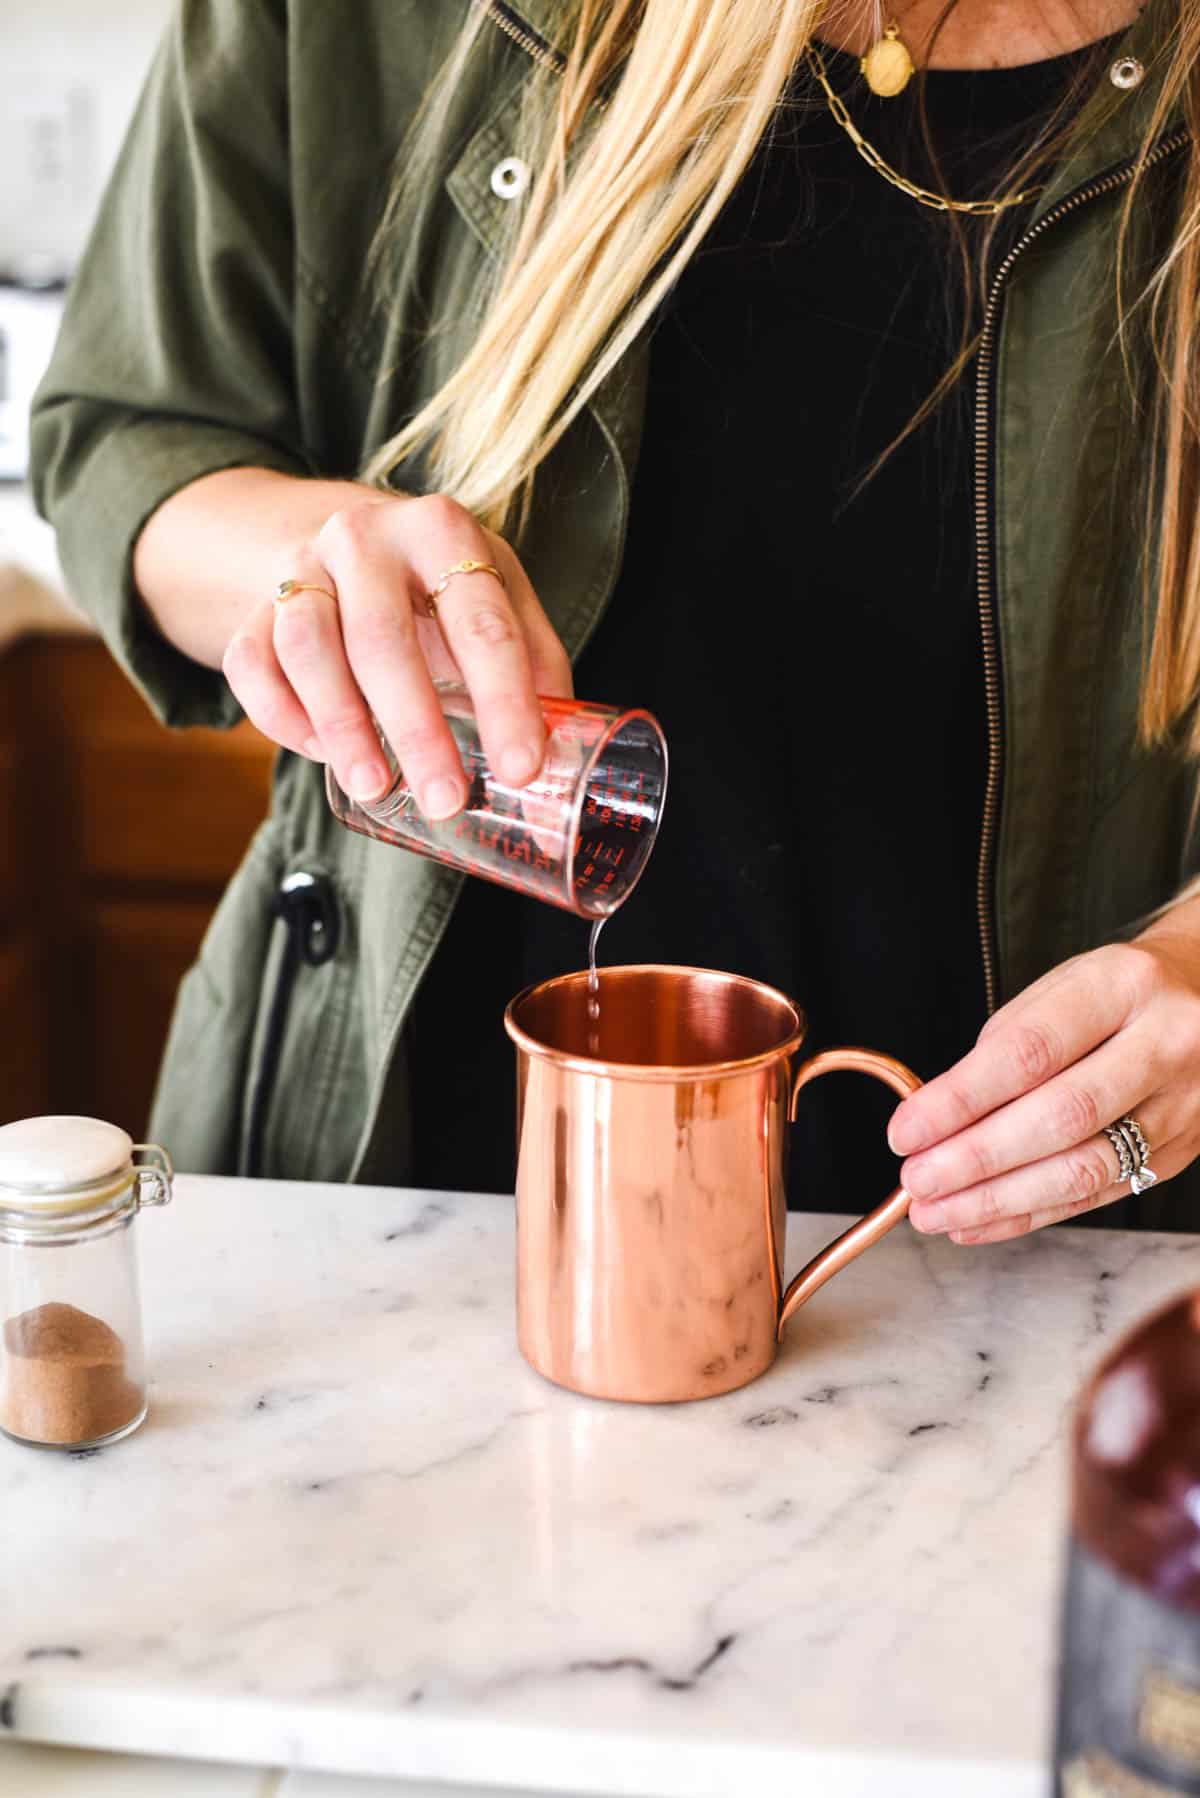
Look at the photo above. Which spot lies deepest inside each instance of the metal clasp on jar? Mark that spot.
(154, 1176)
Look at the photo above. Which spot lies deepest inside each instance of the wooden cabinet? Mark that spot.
(25, 1041)
(116, 840)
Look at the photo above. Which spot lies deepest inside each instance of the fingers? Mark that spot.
(482, 629)
(308, 644)
(261, 688)
(377, 589)
(1171, 1160)
(1059, 1115)
(1080, 1179)
(1012, 1137)
(1027, 1044)
(315, 673)
(480, 623)
(385, 561)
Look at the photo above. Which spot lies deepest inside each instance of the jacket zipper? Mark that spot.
(514, 26)
(984, 540)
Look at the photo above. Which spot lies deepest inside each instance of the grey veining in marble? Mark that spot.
(359, 1534)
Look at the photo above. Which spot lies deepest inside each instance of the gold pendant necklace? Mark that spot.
(888, 66)
(924, 196)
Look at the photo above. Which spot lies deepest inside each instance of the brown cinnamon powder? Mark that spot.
(65, 1377)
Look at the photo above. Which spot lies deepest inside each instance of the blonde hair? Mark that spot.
(598, 246)
(660, 106)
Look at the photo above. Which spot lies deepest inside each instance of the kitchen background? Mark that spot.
(71, 71)
(116, 837)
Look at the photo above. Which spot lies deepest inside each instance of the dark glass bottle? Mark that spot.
(1129, 1685)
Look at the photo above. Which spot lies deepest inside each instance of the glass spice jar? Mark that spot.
(72, 1364)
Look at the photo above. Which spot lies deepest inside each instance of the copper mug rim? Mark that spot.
(656, 1071)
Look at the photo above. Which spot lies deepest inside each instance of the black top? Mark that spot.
(811, 646)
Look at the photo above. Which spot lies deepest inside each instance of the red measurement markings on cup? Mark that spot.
(616, 808)
(488, 835)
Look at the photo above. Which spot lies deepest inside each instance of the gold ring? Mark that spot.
(468, 567)
(287, 589)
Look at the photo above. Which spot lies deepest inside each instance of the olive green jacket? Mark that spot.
(220, 317)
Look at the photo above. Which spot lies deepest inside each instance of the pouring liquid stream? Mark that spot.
(593, 1001)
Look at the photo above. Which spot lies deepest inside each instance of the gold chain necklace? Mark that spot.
(924, 196)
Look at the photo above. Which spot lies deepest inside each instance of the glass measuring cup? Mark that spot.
(578, 836)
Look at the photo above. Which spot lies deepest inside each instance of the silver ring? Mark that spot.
(1133, 1152)
(1127, 1166)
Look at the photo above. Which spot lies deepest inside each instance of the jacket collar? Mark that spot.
(1112, 125)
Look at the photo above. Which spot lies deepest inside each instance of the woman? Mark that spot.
(889, 512)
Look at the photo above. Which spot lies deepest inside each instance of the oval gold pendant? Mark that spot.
(887, 66)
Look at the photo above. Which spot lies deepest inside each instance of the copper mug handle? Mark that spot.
(844, 1248)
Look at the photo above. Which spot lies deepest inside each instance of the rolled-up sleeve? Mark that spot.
(175, 358)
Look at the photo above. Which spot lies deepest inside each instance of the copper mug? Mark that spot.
(651, 1202)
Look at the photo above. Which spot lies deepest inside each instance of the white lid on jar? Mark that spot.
(44, 1162)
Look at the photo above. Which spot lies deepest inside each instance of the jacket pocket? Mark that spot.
(301, 1095)
(307, 916)
(198, 1104)
(259, 1073)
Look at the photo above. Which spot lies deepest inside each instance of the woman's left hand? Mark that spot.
(1012, 1137)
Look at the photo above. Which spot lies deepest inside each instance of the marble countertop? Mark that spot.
(358, 1535)
(33, 594)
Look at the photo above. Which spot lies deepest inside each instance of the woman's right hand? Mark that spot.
(309, 671)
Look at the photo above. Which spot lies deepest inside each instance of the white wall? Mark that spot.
(70, 72)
